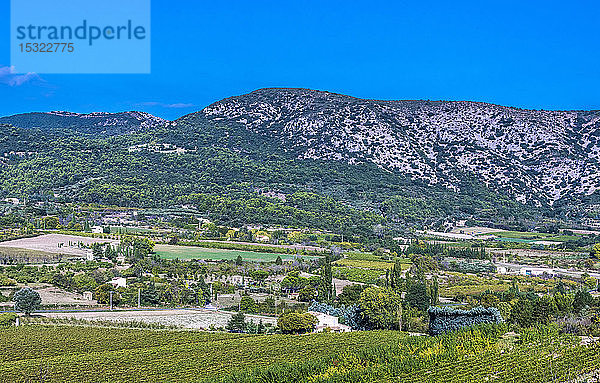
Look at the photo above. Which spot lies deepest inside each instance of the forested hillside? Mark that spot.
(277, 157)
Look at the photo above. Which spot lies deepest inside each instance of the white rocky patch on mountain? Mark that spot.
(533, 155)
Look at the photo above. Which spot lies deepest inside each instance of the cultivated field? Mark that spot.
(193, 252)
(55, 244)
(185, 318)
(87, 354)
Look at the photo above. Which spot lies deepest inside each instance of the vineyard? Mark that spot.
(358, 275)
(63, 353)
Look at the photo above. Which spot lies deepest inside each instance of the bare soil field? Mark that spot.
(475, 230)
(531, 253)
(51, 295)
(55, 244)
(185, 318)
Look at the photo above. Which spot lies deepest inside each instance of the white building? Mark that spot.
(237, 280)
(97, 229)
(118, 282)
(536, 271)
(262, 238)
(329, 321)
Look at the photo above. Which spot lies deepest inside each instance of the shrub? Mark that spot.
(296, 323)
(443, 319)
(6, 281)
(7, 319)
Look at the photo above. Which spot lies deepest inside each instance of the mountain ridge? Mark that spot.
(456, 159)
(505, 138)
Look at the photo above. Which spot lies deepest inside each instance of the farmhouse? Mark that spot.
(329, 321)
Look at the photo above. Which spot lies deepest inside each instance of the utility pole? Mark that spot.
(139, 298)
(111, 306)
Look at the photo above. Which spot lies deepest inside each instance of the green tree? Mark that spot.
(102, 294)
(248, 305)
(350, 294)
(381, 308)
(488, 299)
(238, 260)
(27, 301)
(395, 276)
(259, 275)
(595, 252)
(296, 323)
(50, 222)
(8, 319)
(306, 294)
(237, 323)
(582, 299)
(563, 303)
(326, 284)
(84, 282)
(278, 261)
(97, 250)
(293, 281)
(529, 312)
(434, 291)
(417, 295)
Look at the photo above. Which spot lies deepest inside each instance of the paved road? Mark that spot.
(557, 270)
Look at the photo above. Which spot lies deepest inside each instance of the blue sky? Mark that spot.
(529, 54)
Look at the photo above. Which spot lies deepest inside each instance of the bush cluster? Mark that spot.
(444, 319)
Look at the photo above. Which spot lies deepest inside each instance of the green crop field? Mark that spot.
(193, 252)
(526, 236)
(85, 354)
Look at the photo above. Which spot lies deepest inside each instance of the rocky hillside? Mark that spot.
(535, 157)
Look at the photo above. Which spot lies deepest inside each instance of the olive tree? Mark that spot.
(27, 300)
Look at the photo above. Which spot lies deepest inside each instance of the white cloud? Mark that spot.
(10, 78)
